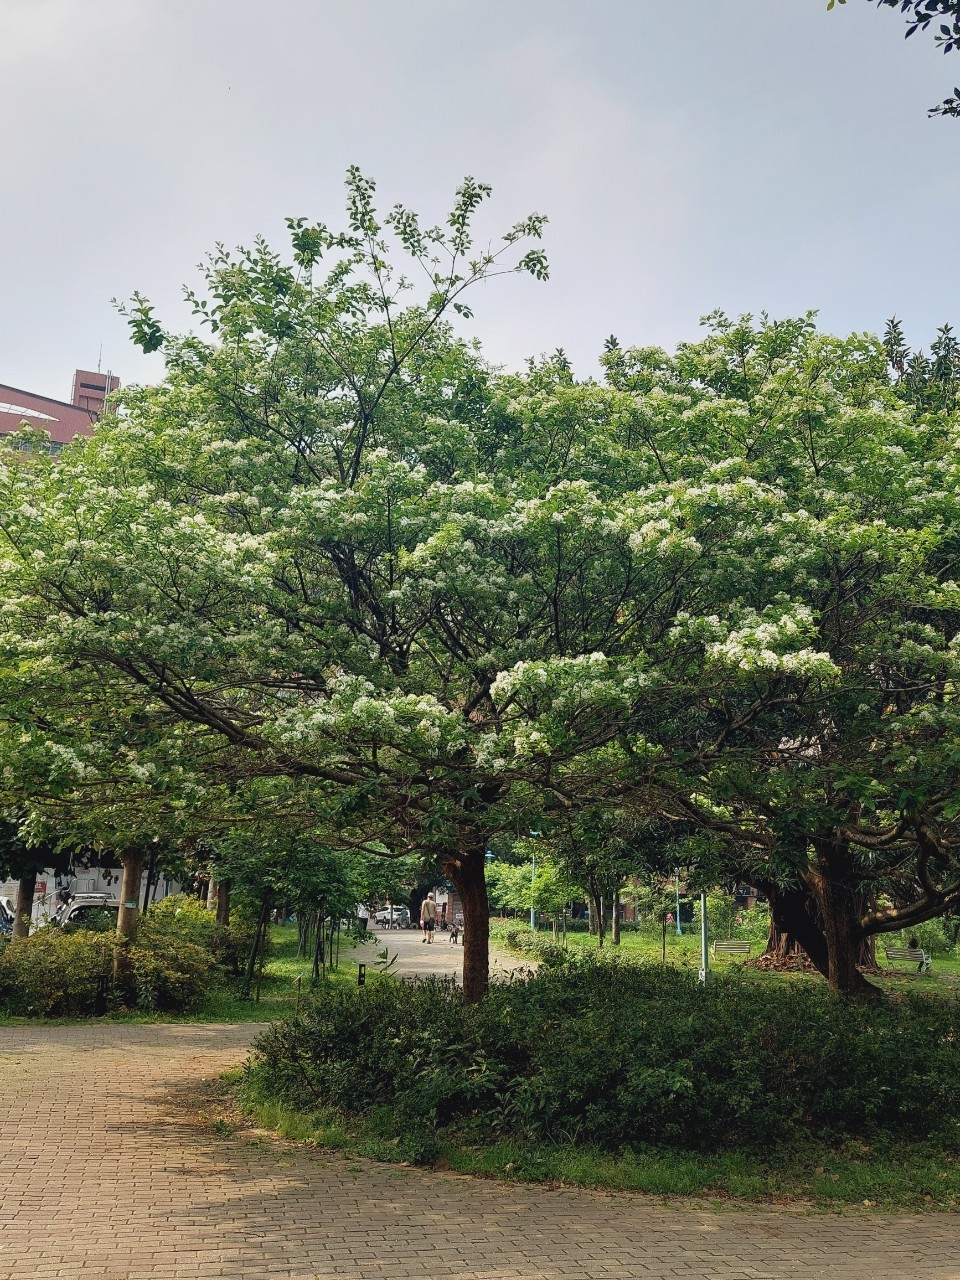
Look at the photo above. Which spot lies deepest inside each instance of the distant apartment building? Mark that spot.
(60, 419)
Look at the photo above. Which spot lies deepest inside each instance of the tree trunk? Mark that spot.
(258, 936)
(129, 912)
(838, 901)
(793, 930)
(151, 872)
(615, 921)
(26, 889)
(223, 904)
(596, 913)
(467, 873)
(212, 894)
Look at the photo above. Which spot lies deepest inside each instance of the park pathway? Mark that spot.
(418, 959)
(106, 1171)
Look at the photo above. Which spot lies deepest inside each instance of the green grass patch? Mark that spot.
(916, 1177)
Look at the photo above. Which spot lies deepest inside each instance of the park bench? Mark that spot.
(730, 947)
(909, 955)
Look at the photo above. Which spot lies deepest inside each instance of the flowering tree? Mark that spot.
(321, 572)
(814, 732)
(334, 577)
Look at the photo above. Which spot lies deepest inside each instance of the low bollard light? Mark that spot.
(361, 975)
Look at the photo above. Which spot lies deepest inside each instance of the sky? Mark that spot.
(743, 154)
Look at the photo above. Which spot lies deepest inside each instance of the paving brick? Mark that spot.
(101, 1176)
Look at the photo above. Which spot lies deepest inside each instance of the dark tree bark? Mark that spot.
(258, 936)
(467, 873)
(794, 932)
(223, 904)
(598, 921)
(151, 877)
(615, 921)
(840, 904)
(26, 891)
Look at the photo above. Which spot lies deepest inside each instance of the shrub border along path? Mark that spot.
(130, 1182)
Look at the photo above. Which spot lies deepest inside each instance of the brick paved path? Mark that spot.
(103, 1174)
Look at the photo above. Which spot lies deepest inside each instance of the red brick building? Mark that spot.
(61, 420)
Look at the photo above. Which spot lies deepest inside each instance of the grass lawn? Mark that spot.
(683, 950)
(278, 986)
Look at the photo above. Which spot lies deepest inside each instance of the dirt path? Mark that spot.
(104, 1173)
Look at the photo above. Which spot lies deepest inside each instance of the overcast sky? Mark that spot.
(742, 154)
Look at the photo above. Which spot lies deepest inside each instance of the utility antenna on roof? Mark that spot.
(99, 357)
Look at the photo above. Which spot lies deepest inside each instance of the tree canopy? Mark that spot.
(338, 582)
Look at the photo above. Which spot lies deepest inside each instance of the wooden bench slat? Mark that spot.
(732, 947)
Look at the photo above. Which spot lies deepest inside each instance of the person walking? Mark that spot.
(428, 917)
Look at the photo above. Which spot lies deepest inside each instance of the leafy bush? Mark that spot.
(54, 973)
(178, 916)
(183, 918)
(68, 973)
(103, 920)
(620, 1056)
(542, 949)
(752, 924)
(930, 935)
(171, 975)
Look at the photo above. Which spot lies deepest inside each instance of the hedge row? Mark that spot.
(179, 955)
(619, 1056)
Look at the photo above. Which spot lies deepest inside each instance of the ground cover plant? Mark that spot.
(624, 1058)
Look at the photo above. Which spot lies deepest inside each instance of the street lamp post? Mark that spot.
(533, 878)
(677, 884)
(704, 949)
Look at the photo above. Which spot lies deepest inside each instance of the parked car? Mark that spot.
(392, 918)
(85, 909)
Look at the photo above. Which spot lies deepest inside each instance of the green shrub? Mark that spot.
(178, 916)
(752, 924)
(183, 918)
(54, 973)
(103, 920)
(621, 1056)
(68, 973)
(542, 949)
(171, 975)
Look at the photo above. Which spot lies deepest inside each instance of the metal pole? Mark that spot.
(677, 883)
(533, 876)
(704, 949)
